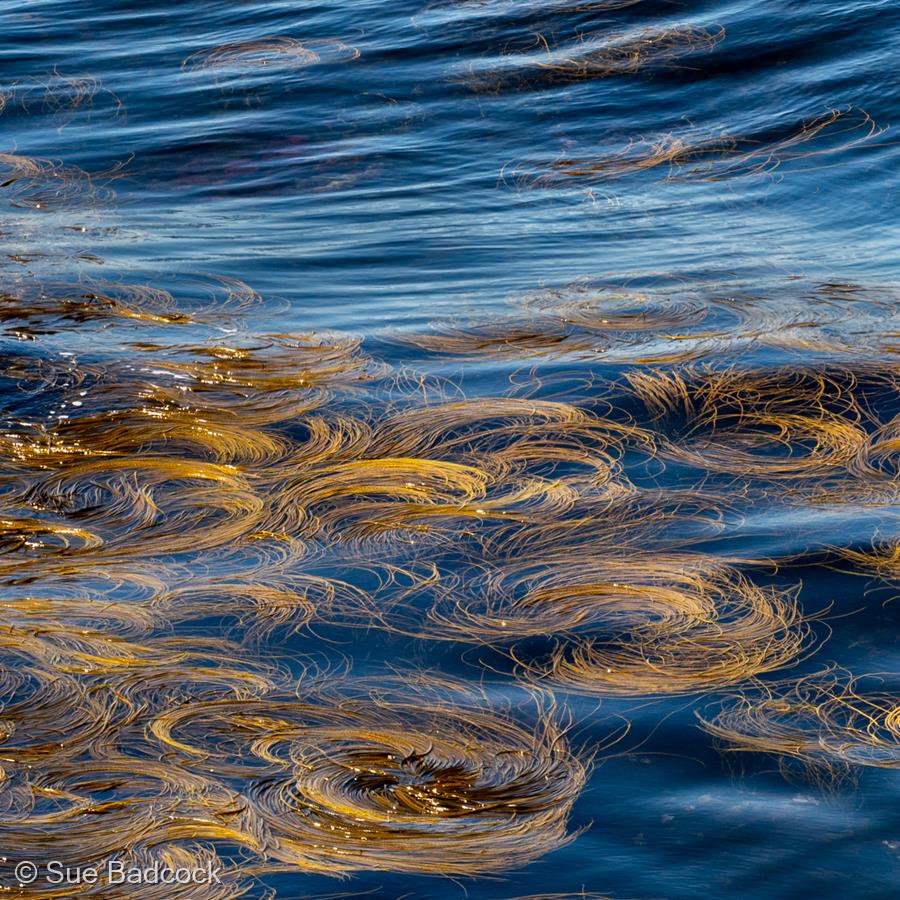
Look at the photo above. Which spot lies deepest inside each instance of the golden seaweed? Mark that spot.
(168, 519)
(598, 55)
(694, 157)
(828, 722)
(624, 627)
(373, 783)
(34, 183)
(275, 52)
(756, 423)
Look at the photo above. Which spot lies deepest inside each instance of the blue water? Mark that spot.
(448, 166)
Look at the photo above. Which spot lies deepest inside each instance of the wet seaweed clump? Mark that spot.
(51, 308)
(277, 603)
(791, 424)
(541, 65)
(591, 320)
(385, 784)
(512, 337)
(272, 52)
(88, 678)
(881, 559)
(439, 468)
(510, 437)
(63, 97)
(621, 627)
(697, 157)
(829, 723)
(670, 323)
(34, 183)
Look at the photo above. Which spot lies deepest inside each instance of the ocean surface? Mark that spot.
(451, 449)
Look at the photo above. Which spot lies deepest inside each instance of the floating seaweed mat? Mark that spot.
(265, 379)
(268, 364)
(271, 52)
(34, 183)
(590, 320)
(823, 433)
(62, 96)
(839, 319)
(154, 505)
(34, 536)
(694, 157)
(66, 713)
(511, 337)
(761, 632)
(277, 602)
(67, 809)
(122, 477)
(133, 584)
(598, 307)
(487, 585)
(324, 438)
(82, 635)
(52, 310)
(572, 592)
(881, 559)
(615, 523)
(86, 615)
(792, 423)
(876, 471)
(175, 671)
(592, 55)
(828, 722)
(386, 784)
(335, 785)
(171, 407)
(48, 715)
(369, 490)
(401, 497)
(56, 644)
(626, 626)
(37, 307)
(499, 459)
(157, 427)
(232, 370)
(507, 435)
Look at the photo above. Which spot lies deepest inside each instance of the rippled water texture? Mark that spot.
(451, 449)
